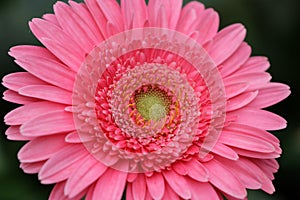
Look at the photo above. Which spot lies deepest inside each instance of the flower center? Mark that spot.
(152, 103)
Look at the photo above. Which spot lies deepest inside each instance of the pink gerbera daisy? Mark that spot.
(147, 100)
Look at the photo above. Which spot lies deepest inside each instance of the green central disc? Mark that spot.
(152, 104)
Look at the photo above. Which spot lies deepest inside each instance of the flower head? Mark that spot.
(149, 99)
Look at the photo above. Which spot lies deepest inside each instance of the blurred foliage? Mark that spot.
(273, 30)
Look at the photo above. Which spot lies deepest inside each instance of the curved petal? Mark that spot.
(13, 133)
(241, 100)
(32, 168)
(82, 11)
(255, 64)
(110, 185)
(49, 123)
(58, 42)
(27, 112)
(164, 13)
(259, 118)
(230, 37)
(84, 176)
(246, 174)
(202, 191)
(235, 89)
(225, 151)
(245, 141)
(177, 183)
(16, 81)
(189, 17)
(170, 194)
(134, 13)
(47, 92)
(76, 28)
(255, 79)
(35, 151)
(139, 187)
(198, 172)
(224, 180)
(112, 11)
(236, 60)
(156, 185)
(59, 162)
(270, 94)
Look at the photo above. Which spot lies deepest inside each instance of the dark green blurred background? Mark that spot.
(273, 30)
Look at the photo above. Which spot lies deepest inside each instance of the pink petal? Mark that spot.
(61, 175)
(255, 64)
(225, 151)
(14, 97)
(90, 192)
(47, 92)
(254, 79)
(167, 11)
(48, 70)
(35, 151)
(246, 141)
(202, 191)
(129, 195)
(180, 168)
(61, 160)
(177, 183)
(207, 26)
(235, 89)
(230, 37)
(32, 168)
(268, 166)
(241, 100)
(189, 17)
(13, 133)
(197, 171)
(267, 185)
(82, 11)
(253, 131)
(254, 154)
(51, 18)
(148, 196)
(112, 11)
(58, 192)
(244, 172)
(131, 177)
(156, 185)
(49, 123)
(72, 60)
(139, 187)
(27, 112)
(110, 185)
(170, 194)
(58, 42)
(98, 16)
(73, 137)
(17, 80)
(134, 13)
(22, 51)
(76, 28)
(84, 176)
(259, 118)
(224, 180)
(236, 60)
(271, 94)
